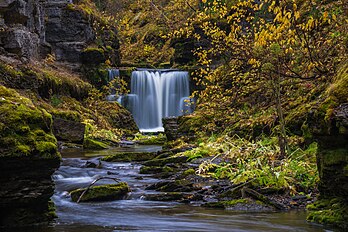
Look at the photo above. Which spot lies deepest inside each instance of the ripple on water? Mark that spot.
(135, 214)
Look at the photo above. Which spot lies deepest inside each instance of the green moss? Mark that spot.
(155, 170)
(151, 140)
(337, 156)
(188, 172)
(130, 156)
(345, 170)
(46, 149)
(26, 130)
(339, 88)
(23, 149)
(93, 144)
(329, 211)
(97, 75)
(226, 204)
(102, 193)
(164, 161)
(51, 212)
(93, 49)
(66, 114)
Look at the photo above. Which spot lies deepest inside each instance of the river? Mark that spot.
(136, 214)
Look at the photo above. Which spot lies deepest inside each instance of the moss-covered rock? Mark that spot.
(130, 156)
(245, 204)
(101, 193)
(28, 158)
(25, 130)
(155, 170)
(173, 196)
(116, 115)
(159, 139)
(92, 144)
(164, 161)
(332, 211)
(173, 186)
(93, 56)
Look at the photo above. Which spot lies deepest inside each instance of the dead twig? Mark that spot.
(95, 181)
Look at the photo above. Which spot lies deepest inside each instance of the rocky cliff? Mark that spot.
(42, 45)
(32, 29)
(28, 158)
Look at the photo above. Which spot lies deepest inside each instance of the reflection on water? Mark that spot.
(135, 214)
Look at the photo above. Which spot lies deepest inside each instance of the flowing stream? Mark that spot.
(136, 214)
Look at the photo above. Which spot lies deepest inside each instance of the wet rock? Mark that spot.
(164, 161)
(90, 164)
(68, 131)
(101, 193)
(173, 186)
(155, 170)
(130, 156)
(173, 196)
(25, 191)
(92, 144)
(246, 204)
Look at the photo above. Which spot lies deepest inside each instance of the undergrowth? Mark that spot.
(255, 162)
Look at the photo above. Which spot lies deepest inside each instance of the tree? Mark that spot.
(274, 44)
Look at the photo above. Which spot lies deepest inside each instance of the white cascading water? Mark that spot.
(156, 95)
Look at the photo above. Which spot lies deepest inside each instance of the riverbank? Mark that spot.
(137, 213)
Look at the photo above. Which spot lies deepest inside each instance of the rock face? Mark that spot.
(67, 31)
(32, 29)
(332, 157)
(26, 188)
(23, 27)
(28, 158)
(174, 129)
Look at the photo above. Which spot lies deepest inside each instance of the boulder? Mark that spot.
(21, 42)
(101, 193)
(93, 56)
(68, 131)
(92, 144)
(173, 196)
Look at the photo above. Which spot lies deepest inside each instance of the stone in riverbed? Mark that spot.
(93, 144)
(173, 196)
(246, 204)
(102, 193)
(164, 161)
(130, 156)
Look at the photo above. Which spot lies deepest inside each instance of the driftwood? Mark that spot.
(95, 181)
(262, 198)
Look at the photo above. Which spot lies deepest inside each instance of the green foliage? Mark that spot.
(55, 100)
(255, 162)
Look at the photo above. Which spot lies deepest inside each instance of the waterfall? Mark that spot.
(156, 94)
(112, 74)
